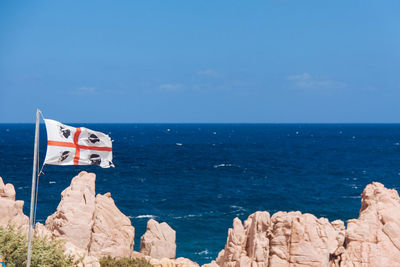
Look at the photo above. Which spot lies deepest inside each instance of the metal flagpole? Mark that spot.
(33, 191)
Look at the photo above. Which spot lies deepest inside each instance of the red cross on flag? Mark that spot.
(68, 145)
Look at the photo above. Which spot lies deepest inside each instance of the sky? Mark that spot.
(200, 61)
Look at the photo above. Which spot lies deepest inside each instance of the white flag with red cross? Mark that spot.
(68, 145)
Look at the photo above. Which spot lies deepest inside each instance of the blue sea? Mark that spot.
(199, 177)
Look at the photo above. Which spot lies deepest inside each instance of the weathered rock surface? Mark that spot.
(91, 225)
(374, 238)
(112, 232)
(295, 239)
(158, 241)
(73, 220)
(11, 212)
(165, 262)
(285, 239)
(303, 240)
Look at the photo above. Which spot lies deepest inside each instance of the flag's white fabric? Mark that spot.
(68, 145)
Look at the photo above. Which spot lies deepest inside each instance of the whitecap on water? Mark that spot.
(219, 165)
(225, 165)
(52, 182)
(144, 216)
(178, 144)
(351, 196)
(203, 252)
(237, 208)
(354, 186)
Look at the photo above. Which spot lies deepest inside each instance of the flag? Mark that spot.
(68, 145)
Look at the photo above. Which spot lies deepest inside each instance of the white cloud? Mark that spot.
(308, 81)
(84, 90)
(209, 72)
(170, 87)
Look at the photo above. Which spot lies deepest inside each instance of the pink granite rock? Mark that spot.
(11, 211)
(303, 240)
(247, 244)
(165, 262)
(374, 238)
(112, 233)
(73, 220)
(90, 225)
(158, 241)
(285, 239)
(94, 227)
(41, 230)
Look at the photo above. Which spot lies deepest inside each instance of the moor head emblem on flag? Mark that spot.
(64, 132)
(68, 145)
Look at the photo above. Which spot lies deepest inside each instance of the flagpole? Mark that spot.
(33, 191)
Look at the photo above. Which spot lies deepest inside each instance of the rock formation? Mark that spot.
(91, 225)
(374, 238)
(112, 232)
(11, 212)
(295, 239)
(285, 239)
(165, 262)
(158, 241)
(73, 220)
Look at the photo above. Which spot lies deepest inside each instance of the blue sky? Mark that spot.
(200, 61)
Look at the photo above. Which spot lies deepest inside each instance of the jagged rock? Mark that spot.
(11, 211)
(211, 264)
(90, 225)
(248, 244)
(303, 240)
(112, 233)
(165, 262)
(179, 262)
(41, 230)
(373, 239)
(158, 241)
(73, 220)
(285, 239)
(94, 227)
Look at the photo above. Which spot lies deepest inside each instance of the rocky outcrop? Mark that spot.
(303, 240)
(165, 262)
(11, 212)
(295, 239)
(285, 239)
(73, 220)
(374, 238)
(158, 241)
(112, 232)
(91, 225)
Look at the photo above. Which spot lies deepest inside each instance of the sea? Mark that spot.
(199, 177)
